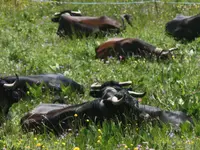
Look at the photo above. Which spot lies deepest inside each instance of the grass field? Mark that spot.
(29, 45)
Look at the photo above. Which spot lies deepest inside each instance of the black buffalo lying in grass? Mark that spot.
(13, 88)
(113, 103)
(80, 26)
(184, 27)
(126, 47)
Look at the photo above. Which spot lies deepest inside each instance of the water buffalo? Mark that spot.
(13, 88)
(126, 47)
(146, 112)
(113, 102)
(184, 27)
(70, 25)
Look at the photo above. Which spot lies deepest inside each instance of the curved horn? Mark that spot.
(95, 85)
(117, 101)
(126, 83)
(12, 85)
(57, 13)
(76, 12)
(135, 94)
(173, 49)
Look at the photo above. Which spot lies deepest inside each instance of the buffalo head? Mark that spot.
(9, 94)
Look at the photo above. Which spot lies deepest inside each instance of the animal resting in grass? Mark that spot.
(70, 25)
(184, 27)
(114, 102)
(13, 88)
(126, 47)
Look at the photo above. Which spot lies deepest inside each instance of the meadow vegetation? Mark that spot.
(29, 45)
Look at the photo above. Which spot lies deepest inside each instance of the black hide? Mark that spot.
(52, 82)
(61, 118)
(184, 28)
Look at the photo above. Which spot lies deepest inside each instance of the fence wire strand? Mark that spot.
(115, 3)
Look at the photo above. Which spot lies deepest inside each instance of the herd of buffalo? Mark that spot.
(113, 101)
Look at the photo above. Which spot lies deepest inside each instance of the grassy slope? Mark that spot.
(29, 45)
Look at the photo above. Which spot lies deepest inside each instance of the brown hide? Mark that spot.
(85, 25)
(125, 47)
(95, 21)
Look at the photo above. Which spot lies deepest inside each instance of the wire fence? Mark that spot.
(116, 3)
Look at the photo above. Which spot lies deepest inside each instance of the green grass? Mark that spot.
(29, 45)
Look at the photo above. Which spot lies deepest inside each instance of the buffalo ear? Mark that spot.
(95, 93)
(106, 103)
(128, 18)
(125, 83)
(95, 86)
(110, 83)
(55, 19)
(136, 94)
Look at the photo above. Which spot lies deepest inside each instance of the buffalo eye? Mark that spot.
(16, 95)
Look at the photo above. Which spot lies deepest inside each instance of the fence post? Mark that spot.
(156, 6)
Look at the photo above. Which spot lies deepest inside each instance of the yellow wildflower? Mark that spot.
(99, 130)
(87, 120)
(189, 142)
(28, 147)
(63, 143)
(75, 115)
(125, 146)
(35, 139)
(182, 137)
(38, 144)
(98, 141)
(56, 142)
(99, 137)
(136, 148)
(20, 141)
(76, 148)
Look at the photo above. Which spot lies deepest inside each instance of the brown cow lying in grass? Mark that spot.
(70, 24)
(113, 103)
(126, 47)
